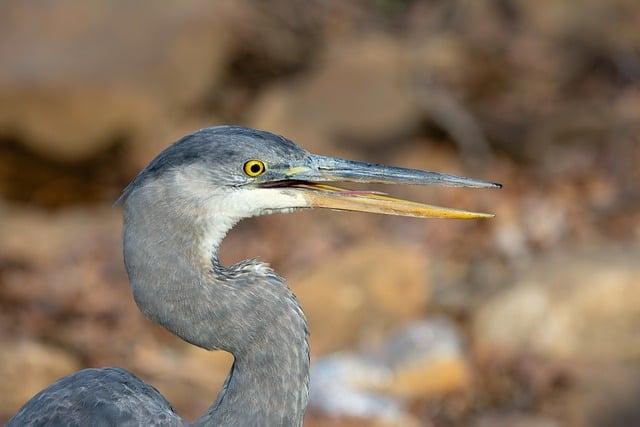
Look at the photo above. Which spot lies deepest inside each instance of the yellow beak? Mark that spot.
(325, 196)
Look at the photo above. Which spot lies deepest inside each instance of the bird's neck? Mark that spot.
(245, 309)
(267, 385)
(269, 382)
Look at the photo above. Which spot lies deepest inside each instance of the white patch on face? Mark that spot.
(226, 210)
(223, 207)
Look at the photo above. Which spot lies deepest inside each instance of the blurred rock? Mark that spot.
(361, 90)
(63, 257)
(563, 20)
(63, 280)
(77, 76)
(46, 240)
(27, 367)
(341, 386)
(371, 93)
(577, 305)
(606, 395)
(368, 290)
(427, 360)
(515, 420)
(419, 361)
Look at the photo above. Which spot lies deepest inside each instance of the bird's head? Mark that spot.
(245, 172)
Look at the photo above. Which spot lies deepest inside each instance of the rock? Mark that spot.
(427, 359)
(365, 297)
(582, 306)
(26, 367)
(605, 395)
(563, 20)
(63, 259)
(75, 77)
(46, 240)
(372, 92)
(514, 420)
(63, 280)
(341, 385)
(421, 360)
(361, 90)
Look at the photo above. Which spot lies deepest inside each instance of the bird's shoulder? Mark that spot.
(97, 397)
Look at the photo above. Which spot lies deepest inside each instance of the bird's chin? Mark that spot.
(319, 195)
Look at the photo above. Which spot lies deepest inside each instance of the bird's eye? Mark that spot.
(254, 168)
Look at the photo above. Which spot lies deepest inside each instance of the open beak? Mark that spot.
(309, 180)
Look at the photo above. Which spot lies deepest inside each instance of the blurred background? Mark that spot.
(531, 319)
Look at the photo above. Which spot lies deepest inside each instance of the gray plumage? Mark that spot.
(176, 213)
(100, 398)
(178, 282)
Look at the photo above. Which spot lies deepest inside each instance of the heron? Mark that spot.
(177, 211)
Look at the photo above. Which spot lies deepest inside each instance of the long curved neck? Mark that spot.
(246, 309)
(267, 386)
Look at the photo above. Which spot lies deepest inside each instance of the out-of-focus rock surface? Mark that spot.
(77, 76)
(427, 359)
(421, 360)
(365, 297)
(515, 420)
(368, 93)
(361, 90)
(343, 385)
(539, 304)
(580, 306)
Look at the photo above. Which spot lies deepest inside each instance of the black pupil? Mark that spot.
(255, 168)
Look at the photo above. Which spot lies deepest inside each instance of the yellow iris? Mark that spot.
(254, 168)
